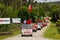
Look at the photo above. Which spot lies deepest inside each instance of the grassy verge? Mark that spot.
(14, 33)
(52, 32)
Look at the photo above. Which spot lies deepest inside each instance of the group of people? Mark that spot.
(29, 21)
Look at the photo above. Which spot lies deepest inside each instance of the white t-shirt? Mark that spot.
(24, 21)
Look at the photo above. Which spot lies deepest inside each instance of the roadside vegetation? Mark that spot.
(6, 36)
(52, 32)
(19, 9)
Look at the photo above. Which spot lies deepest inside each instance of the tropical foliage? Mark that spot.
(18, 8)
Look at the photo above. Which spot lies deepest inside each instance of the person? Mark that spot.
(24, 21)
(28, 21)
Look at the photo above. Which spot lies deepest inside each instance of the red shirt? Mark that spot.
(28, 22)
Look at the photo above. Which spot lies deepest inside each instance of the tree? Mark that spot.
(2, 10)
(11, 13)
(23, 13)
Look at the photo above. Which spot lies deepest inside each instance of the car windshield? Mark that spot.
(26, 26)
(38, 23)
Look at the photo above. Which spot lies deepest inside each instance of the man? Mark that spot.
(24, 21)
(28, 21)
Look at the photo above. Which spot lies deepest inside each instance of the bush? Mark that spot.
(58, 23)
(52, 32)
(5, 27)
(58, 26)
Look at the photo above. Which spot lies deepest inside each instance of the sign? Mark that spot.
(4, 20)
(16, 20)
(30, 8)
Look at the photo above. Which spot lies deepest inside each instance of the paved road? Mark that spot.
(36, 36)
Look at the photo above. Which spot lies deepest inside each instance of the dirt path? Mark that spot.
(36, 36)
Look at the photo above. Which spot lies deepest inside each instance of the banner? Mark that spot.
(4, 20)
(16, 20)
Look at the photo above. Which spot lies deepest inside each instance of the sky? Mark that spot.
(47, 0)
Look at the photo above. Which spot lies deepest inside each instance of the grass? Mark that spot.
(6, 36)
(16, 31)
(52, 32)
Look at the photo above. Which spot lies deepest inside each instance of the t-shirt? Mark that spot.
(24, 21)
(28, 22)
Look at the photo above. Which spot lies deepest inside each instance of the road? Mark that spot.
(36, 35)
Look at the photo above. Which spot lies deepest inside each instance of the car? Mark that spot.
(26, 30)
(34, 27)
(45, 23)
(47, 20)
(39, 26)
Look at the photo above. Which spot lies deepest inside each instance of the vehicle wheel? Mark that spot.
(30, 35)
(38, 29)
(22, 35)
(41, 27)
(35, 30)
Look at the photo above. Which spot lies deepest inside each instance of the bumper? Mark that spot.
(38, 28)
(26, 33)
(34, 30)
